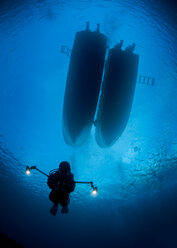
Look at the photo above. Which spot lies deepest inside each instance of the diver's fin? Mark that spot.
(54, 210)
(64, 210)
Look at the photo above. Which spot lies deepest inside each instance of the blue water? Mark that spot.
(137, 177)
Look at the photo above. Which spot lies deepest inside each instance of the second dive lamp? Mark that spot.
(95, 191)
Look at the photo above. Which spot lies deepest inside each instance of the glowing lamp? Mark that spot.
(95, 191)
(28, 172)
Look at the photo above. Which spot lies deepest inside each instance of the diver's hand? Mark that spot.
(33, 167)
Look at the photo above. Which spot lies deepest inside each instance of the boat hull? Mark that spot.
(83, 86)
(116, 96)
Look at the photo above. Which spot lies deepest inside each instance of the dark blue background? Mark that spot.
(136, 205)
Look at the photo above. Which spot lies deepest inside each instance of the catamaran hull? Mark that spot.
(83, 86)
(116, 96)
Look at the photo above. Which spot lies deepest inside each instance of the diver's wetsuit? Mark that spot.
(62, 184)
(63, 181)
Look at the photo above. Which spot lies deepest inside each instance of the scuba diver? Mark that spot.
(61, 181)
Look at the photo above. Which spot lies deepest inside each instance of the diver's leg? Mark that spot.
(53, 196)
